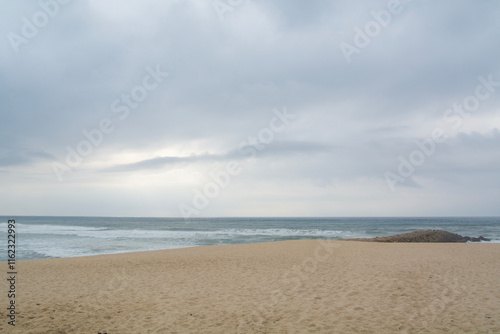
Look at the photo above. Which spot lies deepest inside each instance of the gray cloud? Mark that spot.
(353, 120)
(21, 157)
(245, 152)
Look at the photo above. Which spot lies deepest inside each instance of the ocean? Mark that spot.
(56, 237)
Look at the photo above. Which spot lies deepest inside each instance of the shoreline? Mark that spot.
(274, 287)
(362, 240)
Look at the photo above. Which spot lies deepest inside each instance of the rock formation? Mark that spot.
(425, 236)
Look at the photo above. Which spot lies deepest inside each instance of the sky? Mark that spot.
(200, 108)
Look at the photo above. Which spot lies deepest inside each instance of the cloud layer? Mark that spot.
(90, 126)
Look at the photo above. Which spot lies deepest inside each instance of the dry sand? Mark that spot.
(307, 286)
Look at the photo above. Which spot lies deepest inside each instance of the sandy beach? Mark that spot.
(307, 286)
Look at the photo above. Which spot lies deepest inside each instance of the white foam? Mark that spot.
(105, 233)
(492, 241)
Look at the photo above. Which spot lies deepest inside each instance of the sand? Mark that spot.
(306, 286)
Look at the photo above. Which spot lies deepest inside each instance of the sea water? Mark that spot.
(53, 237)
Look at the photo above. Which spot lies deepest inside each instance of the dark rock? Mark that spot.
(473, 239)
(425, 236)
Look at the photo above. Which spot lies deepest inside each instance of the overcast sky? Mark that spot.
(296, 108)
